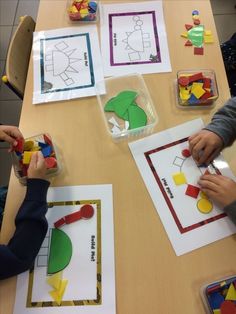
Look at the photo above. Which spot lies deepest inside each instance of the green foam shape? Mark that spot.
(122, 102)
(137, 117)
(196, 35)
(109, 106)
(60, 251)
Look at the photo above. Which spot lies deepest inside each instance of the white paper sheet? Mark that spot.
(90, 272)
(133, 38)
(158, 158)
(67, 63)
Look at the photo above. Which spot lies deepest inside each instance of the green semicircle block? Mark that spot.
(60, 251)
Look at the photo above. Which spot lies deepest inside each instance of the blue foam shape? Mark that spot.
(46, 151)
(193, 100)
(92, 7)
(215, 299)
(42, 145)
(195, 12)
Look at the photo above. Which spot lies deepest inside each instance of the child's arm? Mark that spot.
(221, 132)
(222, 191)
(31, 224)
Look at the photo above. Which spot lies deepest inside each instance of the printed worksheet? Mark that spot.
(74, 270)
(191, 220)
(67, 63)
(133, 38)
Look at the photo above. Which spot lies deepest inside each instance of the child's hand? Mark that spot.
(10, 134)
(37, 167)
(205, 146)
(218, 188)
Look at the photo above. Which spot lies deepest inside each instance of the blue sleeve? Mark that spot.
(31, 227)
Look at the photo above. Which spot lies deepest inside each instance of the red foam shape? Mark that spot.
(196, 77)
(73, 217)
(196, 22)
(192, 191)
(206, 96)
(198, 51)
(87, 211)
(188, 26)
(188, 43)
(47, 139)
(183, 80)
(186, 153)
(20, 146)
(50, 162)
(59, 223)
(227, 307)
(206, 82)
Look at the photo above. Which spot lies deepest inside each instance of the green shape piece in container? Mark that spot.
(196, 35)
(109, 106)
(137, 117)
(60, 251)
(123, 101)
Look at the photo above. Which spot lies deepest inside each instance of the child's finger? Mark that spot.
(41, 161)
(33, 160)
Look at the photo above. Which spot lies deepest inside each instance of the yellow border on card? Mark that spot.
(98, 300)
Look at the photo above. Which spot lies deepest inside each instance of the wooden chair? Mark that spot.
(18, 56)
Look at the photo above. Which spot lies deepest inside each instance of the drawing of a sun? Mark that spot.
(59, 62)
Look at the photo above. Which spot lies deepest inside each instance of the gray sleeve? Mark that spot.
(224, 122)
(231, 211)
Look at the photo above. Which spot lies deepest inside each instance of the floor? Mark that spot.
(10, 10)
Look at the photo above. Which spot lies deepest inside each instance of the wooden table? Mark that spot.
(150, 278)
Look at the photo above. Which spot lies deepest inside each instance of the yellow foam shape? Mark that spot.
(185, 35)
(184, 95)
(35, 148)
(179, 178)
(27, 157)
(196, 17)
(204, 206)
(28, 145)
(198, 92)
(57, 295)
(208, 39)
(217, 311)
(55, 280)
(207, 32)
(231, 295)
(203, 195)
(73, 9)
(196, 85)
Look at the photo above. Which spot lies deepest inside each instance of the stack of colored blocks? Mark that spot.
(24, 150)
(197, 89)
(220, 297)
(83, 10)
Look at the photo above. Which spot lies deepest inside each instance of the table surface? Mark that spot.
(150, 278)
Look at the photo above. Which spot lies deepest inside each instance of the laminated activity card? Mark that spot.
(67, 63)
(190, 219)
(74, 270)
(133, 38)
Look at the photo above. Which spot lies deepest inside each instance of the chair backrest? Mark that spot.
(19, 54)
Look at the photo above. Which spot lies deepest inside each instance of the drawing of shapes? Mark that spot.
(46, 241)
(60, 251)
(42, 260)
(146, 44)
(49, 68)
(61, 46)
(48, 57)
(192, 191)
(204, 206)
(178, 161)
(146, 35)
(134, 56)
(43, 251)
(134, 41)
(68, 81)
(179, 178)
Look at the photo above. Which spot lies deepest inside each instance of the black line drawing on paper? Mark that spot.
(59, 62)
(137, 41)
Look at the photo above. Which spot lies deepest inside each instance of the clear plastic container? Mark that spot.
(215, 293)
(123, 128)
(196, 89)
(39, 142)
(83, 11)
